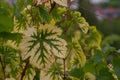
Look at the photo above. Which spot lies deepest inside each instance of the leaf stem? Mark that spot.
(24, 70)
(52, 6)
(3, 68)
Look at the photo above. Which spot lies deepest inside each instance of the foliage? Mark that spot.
(45, 39)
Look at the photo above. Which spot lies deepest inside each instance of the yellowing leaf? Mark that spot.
(61, 2)
(84, 26)
(78, 56)
(94, 38)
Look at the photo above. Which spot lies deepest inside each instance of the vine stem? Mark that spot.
(65, 37)
(24, 70)
(64, 76)
(3, 68)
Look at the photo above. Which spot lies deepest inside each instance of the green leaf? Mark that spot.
(37, 76)
(6, 22)
(9, 58)
(57, 13)
(23, 18)
(112, 40)
(97, 58)
(116, 66)
(11, 36)
(44, 15)
(29, 2)
(19, 22)
(30, 73)
(76, 73)
(20, 5)
(55, 70)
(104, 74)
(89, 67)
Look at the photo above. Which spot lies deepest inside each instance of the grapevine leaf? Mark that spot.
(54, 70)
(11, 36)
(22, 19)
(11, 60)
(76, 18)
(45, 42)
(6, 23)
(112, 40)
(44, 15)
(57, 13)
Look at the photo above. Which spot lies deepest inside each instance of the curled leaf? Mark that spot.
(78, 56)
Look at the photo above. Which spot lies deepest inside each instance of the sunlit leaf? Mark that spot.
(45, 42)
(78, 19)
(84, 26)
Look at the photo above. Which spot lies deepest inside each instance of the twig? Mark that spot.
(3, 68)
